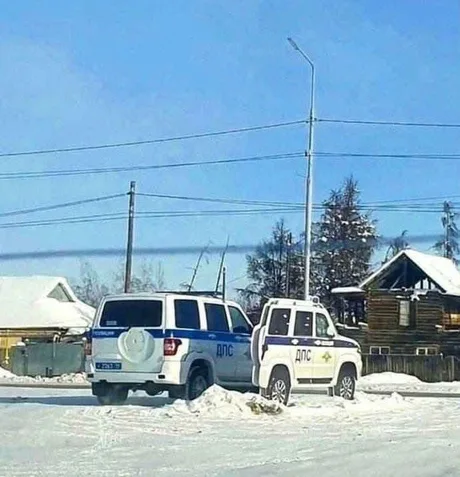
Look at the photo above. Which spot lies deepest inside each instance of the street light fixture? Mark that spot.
(309, 179)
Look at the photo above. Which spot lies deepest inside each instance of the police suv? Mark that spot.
(168, 342)
(296, 348)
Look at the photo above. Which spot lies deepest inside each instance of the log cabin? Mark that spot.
(409, 306)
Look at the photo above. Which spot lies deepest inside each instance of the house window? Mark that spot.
(59, 293)
(379, 350)
(426, 351)
(404, 313)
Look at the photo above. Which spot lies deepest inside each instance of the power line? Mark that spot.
(109, 217)
(60, 206)
(153, 141)
(102, 170)
(182, 250)
(425, 157)
(388, 123)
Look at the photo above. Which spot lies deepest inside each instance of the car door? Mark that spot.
(275, 339)
(324, 355)
(302, 349)
(221, 345)
(241, 329)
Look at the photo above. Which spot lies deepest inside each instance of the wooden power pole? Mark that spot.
(129, 247)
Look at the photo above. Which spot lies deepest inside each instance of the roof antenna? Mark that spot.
(221, 267)
(197, 266)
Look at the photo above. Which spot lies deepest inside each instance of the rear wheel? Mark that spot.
(279, 386)
(346, 384)
(113, 395)
(197, 383)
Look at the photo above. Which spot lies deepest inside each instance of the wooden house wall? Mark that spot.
(383, 321)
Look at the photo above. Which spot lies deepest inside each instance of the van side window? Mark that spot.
(187, 314)
(216, 317)
(279, 322)
(239, 323)
(321, 326)
(303, 323)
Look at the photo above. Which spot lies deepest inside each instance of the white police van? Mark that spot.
(296, 348)
(167, 342)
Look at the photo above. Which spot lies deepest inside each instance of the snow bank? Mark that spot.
(74, 378)
(388, 378)
(314, 406)
(4, 373)
(220, 403)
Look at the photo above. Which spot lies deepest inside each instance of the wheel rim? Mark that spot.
(198, 386)
(279, 391)
(346, 387)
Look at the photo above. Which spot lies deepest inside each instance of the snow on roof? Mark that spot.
(24, 303)
(346, 290)
(439, 269)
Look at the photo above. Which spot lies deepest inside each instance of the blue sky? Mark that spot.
(84, 72)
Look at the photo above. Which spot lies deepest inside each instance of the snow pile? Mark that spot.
(221, 403)
(74, 378)
(388, 378)
(4, 373)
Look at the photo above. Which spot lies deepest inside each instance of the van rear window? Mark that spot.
(132, 313)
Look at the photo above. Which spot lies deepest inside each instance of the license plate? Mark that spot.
(108, 366)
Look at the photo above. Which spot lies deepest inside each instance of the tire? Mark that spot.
(196, 384)
(279, 386)
(114, 396)
(346, 385)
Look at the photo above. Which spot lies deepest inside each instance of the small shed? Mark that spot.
(39, 308)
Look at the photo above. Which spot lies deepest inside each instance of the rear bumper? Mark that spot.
(170, 374)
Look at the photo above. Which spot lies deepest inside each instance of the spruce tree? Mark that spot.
(345, 238)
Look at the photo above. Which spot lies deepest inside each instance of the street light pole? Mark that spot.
(309, 179)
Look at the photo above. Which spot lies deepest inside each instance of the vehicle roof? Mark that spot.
(163, 295)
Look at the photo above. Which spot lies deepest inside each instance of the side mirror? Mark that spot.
(330, 332)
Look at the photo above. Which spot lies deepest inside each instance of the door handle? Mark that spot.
(212, 335)
(238, 338)
(295, 341)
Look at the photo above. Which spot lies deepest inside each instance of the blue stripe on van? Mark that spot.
(186, 334)
(287, 341)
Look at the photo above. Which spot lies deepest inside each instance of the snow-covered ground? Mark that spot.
(402, 383)
(55, 432)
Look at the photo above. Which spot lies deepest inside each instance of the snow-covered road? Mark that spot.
(56, 432)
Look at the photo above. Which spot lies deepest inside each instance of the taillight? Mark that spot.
(88, 347)
(170, 346)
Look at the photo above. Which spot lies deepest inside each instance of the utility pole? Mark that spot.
(224, 283)
(129, 247)
(288, 265)
(447, 222)
(309, 179)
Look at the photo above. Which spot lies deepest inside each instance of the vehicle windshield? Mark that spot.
(132, 313)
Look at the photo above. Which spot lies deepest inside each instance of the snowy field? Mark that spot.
(59, 432)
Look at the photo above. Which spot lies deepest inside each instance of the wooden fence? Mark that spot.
(430, 369)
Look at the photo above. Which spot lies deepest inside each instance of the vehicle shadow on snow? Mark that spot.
(133, 400)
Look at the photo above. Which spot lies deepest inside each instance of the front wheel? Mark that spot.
(346, 385)
(279, 387)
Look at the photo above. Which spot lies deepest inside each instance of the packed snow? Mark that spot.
(4, 373)
(6, 377)
(388, 378)
(27, 302)
(56, 432)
